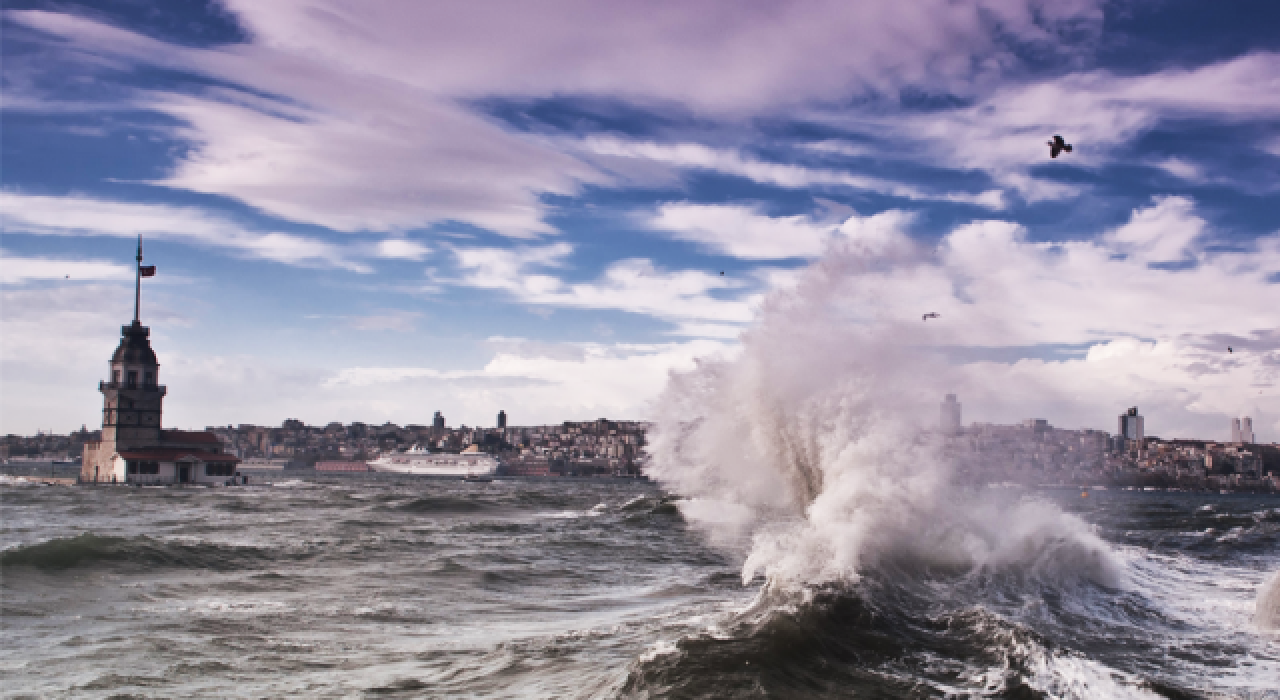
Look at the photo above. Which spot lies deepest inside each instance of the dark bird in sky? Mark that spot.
(722, 273)
(931, 314)
(1057, 145)
(1229, 349)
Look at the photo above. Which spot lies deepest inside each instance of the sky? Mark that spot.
(371, 211)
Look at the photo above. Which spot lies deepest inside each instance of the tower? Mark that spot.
(132, 397)
(1235, 430)
(1130, 425)
(134, 448)
(949, 420)
(1246, 430)
(438, 421)
(502, 420)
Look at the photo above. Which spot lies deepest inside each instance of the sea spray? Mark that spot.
(817, 444)
(1267, 615)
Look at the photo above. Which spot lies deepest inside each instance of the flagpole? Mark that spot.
(137, 293)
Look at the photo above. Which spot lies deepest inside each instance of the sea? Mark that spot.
(390, 586)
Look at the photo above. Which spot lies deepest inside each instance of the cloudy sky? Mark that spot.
(376, 210)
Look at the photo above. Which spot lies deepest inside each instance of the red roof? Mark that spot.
(173, 455)
(192, 436)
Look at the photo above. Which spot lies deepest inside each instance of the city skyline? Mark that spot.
(549, 222)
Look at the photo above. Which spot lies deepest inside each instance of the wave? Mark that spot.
(1267, 614)
(810, 454)
(844, 639)
(814, 444)
(645, 505)
(443, 505)
(90, 550)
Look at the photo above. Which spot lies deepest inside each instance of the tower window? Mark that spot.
(133, 380)
(115, 377)
(150, 379)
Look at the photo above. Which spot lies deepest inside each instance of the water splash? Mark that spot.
(1268, 605)
(814, 446)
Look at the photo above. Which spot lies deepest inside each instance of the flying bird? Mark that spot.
(931, 314)
(1057, 145)
(722, 273)
(1229, 349)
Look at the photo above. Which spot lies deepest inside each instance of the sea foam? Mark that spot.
(1267, 615)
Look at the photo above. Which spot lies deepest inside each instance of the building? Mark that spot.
(502, 420)
(1235, 430)
(1130, 425)
(134, 448)
(1246, 430)
(438, 421)
(949, 421)
(1037, 426)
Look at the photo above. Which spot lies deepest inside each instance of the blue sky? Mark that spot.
(372, 211)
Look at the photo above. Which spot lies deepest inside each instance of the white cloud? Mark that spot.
(54, 348)
(713, 56)
(634, 286)
(1164, 232)
(372, 128)
(17, 270)
(1182, 168)
(1154, 336)
(83, 216)
(390, 320)
(379, 160)
(742, 231)
(1184, 388)
(401, 249)
(535, 383)
(695, 155)
(1097, 111)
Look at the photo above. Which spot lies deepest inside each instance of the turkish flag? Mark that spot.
(147, 270)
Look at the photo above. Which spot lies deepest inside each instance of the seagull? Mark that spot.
(1057, 145)
(722, 273)
(1229, 349)
(931, 314)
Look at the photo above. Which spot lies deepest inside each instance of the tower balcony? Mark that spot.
(158, 388)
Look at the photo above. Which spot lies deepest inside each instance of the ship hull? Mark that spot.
(442, 465)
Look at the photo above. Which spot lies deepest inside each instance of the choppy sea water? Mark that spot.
(398, 587)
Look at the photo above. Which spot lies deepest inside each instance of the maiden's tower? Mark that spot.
(134, 447)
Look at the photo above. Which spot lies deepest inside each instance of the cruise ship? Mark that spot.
(470, 462)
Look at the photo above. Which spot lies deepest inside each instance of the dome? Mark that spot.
(135, 348)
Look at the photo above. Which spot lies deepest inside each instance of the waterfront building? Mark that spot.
(1235, 430)
(1130, 425)
(134, 448)
(949, 421)
(1246, 430)
(502, 420)
(438, 421)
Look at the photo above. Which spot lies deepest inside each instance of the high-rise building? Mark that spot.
(1246, 430)
(438, 421)
(502, 420)
(1235, 430)
(1130, 425)
(949, 420)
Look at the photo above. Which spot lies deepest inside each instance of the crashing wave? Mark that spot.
(1267, 614)
(814, 444)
